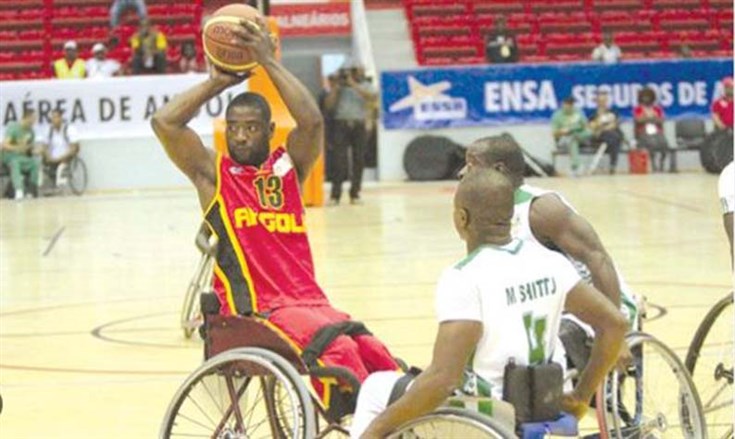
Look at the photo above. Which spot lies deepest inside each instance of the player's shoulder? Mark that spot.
(726, 183)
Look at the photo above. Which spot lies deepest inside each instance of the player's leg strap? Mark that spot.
(326, 335)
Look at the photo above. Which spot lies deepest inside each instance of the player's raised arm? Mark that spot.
(305, 142)
(182, 144)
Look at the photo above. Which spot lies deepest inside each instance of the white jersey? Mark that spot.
(517, 292)
(521, 228)
(726, 189)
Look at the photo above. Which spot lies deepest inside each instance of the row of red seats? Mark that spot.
(436, 7)
(33, 32)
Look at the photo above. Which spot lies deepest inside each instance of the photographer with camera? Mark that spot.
(348, 103)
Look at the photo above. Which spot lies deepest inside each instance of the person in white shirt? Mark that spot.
(607, 52)
(99, 66)
(726, 190)
(62, 145)
(502, 303)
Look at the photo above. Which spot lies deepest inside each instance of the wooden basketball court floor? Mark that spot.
(91, 287)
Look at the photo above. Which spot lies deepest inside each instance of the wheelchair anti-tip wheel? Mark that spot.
(230, 396)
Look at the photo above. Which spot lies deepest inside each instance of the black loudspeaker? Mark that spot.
(433, 158)
(717, 151)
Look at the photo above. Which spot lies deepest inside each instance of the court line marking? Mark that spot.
(94, 371)
(661, 200)
(54, 238)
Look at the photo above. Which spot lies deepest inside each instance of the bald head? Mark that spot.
(498, 152)
(483, 206)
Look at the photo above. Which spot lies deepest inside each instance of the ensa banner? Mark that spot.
(516, 94)
(107, 108)
(312, 18)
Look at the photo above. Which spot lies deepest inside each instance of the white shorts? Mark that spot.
(373, 399)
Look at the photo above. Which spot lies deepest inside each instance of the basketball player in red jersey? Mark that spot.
(251, 202)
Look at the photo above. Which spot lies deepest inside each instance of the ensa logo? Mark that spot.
(429, 102)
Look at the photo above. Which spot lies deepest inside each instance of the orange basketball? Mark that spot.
(217, 38)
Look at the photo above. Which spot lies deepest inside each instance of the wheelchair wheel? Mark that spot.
(654, 398)
(453, 423)
(227, 397)
(191, 316)
(710, 362)
(77, 176)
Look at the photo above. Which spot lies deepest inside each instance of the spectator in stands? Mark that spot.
(120, 6)
(500, 46)
(605, 127)
(99, 66)
(16, 153)
(70, 66)
(649, 128)
(722, 107)
(608, 52)
(348, 102)
(685, 52)
(569, 127)
(189, 61)
(61, 146)
(149, 50)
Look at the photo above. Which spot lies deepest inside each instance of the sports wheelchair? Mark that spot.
(254, 384)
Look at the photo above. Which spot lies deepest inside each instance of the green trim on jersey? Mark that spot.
(520, 196)
(463, 263)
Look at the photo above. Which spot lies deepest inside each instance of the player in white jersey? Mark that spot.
(547, 218)
(726, 189)
(502, 303)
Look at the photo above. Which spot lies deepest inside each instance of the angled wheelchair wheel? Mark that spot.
(77, 176)
(191, 316)
(228, 397)
(654, 398)
(453, 423)
(710, 362)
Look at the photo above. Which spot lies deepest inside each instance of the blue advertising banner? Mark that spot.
(518, 94)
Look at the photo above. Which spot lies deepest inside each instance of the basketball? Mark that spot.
(217, 36)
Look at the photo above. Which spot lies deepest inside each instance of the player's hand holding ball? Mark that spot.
(236, 39)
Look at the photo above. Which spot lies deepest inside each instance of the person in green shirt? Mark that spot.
(569, 126)
(16, 153)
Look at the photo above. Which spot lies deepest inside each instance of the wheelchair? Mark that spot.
(76, 177)
(254, 384)
(710, 362)
(191, 317)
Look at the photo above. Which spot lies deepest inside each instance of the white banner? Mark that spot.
(106, 108)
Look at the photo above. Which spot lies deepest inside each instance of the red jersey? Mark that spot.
(723, 108)
(263, 257)
(641, 128)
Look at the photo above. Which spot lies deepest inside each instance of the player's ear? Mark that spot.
(500, 167)
(463, 218)
(271, 130)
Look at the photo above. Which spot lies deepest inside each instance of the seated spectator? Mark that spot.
(685, 52)
(99, 66)
(62, 145)
(16, 154)
(722, 108)
(569, 127)
(649, 128)
(70, 66)
(605, 127)
(120, 6)
(149, 50)
(189, 62)
(500, 46)
(607, 52)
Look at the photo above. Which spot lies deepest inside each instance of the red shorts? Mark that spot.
(362, 354)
